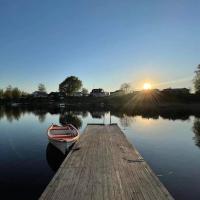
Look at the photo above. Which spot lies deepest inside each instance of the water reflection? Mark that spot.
(97, 114)
(161, 142)
(15, 113)
(41, 115)
(84, 114)
(196, 130)
(70, 118)
(54, 157)
(10, 113)
(126, 121)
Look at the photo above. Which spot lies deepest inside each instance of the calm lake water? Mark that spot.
(28, 161)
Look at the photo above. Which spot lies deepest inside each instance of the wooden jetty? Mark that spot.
(104, 165)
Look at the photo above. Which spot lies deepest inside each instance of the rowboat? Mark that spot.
(62, 137)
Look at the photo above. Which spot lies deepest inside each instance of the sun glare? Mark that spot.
(147, 86)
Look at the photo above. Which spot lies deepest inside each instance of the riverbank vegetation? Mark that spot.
(71, 92)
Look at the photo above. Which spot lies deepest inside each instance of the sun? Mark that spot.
(147, 86)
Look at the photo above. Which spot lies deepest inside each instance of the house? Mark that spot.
(57, 95)
(78, 94)
(98, 93)
(117, 93)
(39, 94)
(176, 91)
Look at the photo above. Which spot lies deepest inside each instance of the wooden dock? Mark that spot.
(104, 165)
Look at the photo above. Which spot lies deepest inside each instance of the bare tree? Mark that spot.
(41, 87)
(196, 79)
(125, 87)
(84, 91)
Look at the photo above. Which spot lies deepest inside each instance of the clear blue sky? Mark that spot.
(103, 42)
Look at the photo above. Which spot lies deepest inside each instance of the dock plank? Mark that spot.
(104, 165)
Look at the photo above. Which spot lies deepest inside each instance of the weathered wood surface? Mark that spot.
(104, 165)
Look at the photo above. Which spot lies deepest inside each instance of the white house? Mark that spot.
(38, 94)
(98, 93)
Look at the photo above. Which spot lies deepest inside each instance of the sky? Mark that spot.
(103, 42)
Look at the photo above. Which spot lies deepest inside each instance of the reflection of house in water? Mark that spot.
(97, 114)
(196, 130)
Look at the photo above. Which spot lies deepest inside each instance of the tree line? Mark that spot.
(12, 93)
(69, 86)
(73, 84)
(15, 93)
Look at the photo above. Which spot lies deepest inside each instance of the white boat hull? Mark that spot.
(62, 146)
(62, 137)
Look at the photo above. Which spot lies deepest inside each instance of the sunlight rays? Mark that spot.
(147, 86)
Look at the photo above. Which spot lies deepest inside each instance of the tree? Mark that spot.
(24, 94)
(196, 80)
(84, 91)
(125, 87)
(70, 85)
(8, 92)
(16, 93)
(41, 87)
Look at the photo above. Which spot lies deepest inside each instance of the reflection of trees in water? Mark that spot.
(174, 116)
(126, 121)
(12, 114)
(70, 118)
(54, 157)
(15, 112)
(41, 118)
(41, 115)
(196, 130)
(84, 114)
(76, 112)
(9, 116)
(97, 114)
(1, 112)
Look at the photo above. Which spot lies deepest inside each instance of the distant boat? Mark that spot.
(62, 137)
